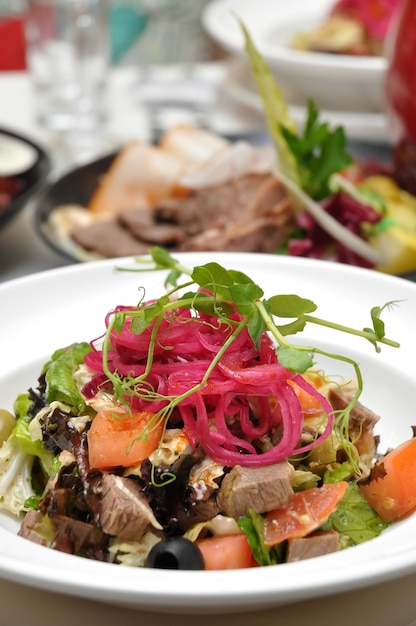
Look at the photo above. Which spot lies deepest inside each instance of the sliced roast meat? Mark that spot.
(250, 235)
(124, 511)
(221, 205)
(64, 534)
(29, 528)
(251, 213)
(262, 224)
(361, 416)
(260, 488)
(147, 230)
(318, 544)
(108, 239)
(75, 537)
(361, 426)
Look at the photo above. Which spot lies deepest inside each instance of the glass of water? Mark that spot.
(68, 57)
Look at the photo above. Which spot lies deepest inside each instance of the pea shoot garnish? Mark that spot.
(213, 351)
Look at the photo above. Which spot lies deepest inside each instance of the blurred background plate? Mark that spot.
(334, 81)
(18, 185)
(370, 127)
(75, 187)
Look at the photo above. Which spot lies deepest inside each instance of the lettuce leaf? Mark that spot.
(60, 383)
(354, 519)
(252, 526)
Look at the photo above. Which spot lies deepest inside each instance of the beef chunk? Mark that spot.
(29, 525)
(77, 537)
(65, 535)
(361, 416)
(145, 229)
(124, 511)
(310, 547)
(109, 239)
(361, 426)
(221, 205)
(260, 488)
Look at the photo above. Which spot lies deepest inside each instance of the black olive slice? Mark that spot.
(175, 553)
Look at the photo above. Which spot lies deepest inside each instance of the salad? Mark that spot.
(360, 214)
(353, 27)
(195, 433)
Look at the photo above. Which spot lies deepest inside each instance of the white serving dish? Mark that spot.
(334, 82)
(71, 305)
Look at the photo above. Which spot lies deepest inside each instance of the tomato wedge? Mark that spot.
(226, 552)
(391, 489)
(308, 510)
(310, 405)
(117, 438)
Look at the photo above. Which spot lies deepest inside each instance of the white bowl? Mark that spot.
(335, 82)
(76, 300)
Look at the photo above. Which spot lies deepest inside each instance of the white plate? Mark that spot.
(371, 127)
(335, 82)
(44, 311)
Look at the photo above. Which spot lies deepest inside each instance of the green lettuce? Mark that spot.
(59, 371)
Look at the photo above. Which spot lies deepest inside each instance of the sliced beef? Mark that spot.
(145, 229)
(361, 426)
(361, 416)
(251, 213)
(65, 535)
(260, 225)
(221, 205)
(318, 544)
(250, 235)
(124, 511)
(260, 488)
(75, 537)
(108, 239)
(29, 528)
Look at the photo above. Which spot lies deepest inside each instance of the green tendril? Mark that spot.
(221, 291)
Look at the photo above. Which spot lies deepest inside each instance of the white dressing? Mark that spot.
(16, 156)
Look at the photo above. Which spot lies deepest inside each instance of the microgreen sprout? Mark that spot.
(212, 289)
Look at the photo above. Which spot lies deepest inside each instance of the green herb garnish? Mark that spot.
(212, 287)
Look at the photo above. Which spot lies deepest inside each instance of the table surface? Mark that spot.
(22, 253)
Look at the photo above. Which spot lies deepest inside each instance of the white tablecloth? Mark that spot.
(22, 252)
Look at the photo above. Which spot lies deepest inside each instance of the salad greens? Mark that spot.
(17, 457)
(59, 376)
(198, 383)
(354, 519)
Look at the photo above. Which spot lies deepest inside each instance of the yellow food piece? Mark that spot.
(397, 244)
(7, 423)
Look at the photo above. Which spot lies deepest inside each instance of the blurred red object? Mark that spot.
(374, 15)
(401, 71)
(400, 92)
(12, 43)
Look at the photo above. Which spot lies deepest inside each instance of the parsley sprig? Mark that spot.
(320, 152)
